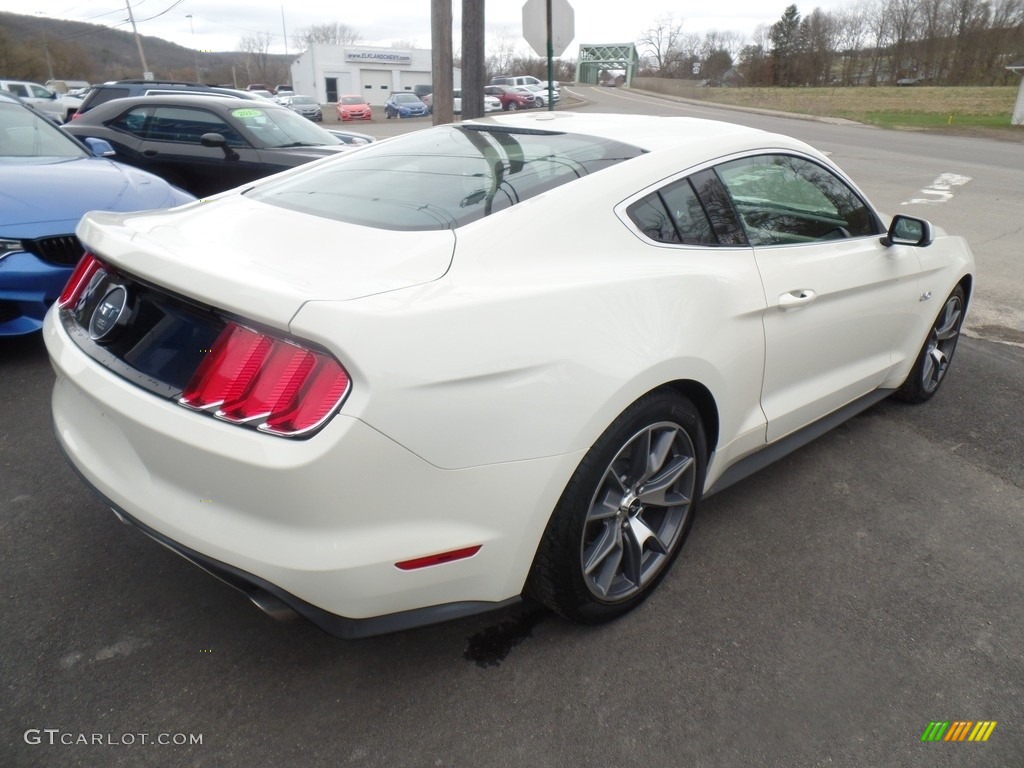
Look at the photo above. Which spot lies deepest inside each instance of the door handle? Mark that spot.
(796, 299)
(150, 152)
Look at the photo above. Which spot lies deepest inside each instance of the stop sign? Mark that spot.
(535, 25)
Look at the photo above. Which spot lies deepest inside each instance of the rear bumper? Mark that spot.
(283, 606)
(319, 524)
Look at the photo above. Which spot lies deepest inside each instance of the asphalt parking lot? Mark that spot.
(824, 613)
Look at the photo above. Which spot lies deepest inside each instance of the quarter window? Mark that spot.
(783, 199)
(673, 214)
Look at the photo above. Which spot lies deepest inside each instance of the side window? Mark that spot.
(18, 90)
(782, 199)
(39, 92)
(673, 214)
(187, 126)
(133, 121)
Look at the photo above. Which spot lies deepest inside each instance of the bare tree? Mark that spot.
(754, 59)
(903, 26)
(256, 48)
(329, 33)
(661, 46)
(501, 53)
(851, 32)
(819, 34)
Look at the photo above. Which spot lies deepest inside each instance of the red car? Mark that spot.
(354, 108)
(509, 98)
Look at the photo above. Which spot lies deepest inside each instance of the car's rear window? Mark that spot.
(443, 178)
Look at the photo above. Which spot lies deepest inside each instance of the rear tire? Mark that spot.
(937, 353)
(625, 513)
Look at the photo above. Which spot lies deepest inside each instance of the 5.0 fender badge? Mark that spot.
(108, 312)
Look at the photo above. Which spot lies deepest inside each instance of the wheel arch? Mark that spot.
(967, 283)
(704, 402)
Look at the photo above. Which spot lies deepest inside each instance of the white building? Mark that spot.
(329, 71)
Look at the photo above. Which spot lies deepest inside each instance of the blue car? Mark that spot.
(48, 180)
(405, 104)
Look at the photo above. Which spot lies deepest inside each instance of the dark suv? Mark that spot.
(122, 89)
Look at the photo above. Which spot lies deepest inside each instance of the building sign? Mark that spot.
(379, 57)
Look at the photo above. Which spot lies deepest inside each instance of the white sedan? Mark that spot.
(539, 94)
(437, 418)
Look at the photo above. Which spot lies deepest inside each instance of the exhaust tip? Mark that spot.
(274, 608)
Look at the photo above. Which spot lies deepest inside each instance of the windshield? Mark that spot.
(26, 137)
(444, 177)
(281, 127)
(406, 98)
(353, 100)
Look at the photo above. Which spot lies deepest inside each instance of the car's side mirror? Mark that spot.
(908, 230)
(216, 140)
(99, 147)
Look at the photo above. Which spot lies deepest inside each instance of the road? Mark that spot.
(968, 186)
(823, 613)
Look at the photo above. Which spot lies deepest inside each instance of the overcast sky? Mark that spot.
(219, 24)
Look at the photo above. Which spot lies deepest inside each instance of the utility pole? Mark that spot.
(472, 59)
(146, 74)
(46, 47)
(284, 32)
(195, 51)
(441, 60)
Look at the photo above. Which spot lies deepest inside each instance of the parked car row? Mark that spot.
(50, 180)
(134, 145)
(204, 143)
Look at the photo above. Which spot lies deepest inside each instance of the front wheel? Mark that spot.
(513, 106)
(937, 353)
(625, 513)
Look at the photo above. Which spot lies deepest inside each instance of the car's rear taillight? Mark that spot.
(274, 384)
(86, 268)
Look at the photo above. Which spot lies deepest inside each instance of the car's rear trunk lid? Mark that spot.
(260, 261)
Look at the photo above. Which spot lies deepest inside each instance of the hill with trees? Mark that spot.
(32, 47)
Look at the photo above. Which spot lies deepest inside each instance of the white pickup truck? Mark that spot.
(43, 99)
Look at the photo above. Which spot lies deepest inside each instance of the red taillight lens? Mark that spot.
(87, 266)
(277, 385)
(228, 368)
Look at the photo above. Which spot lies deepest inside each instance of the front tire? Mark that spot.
(513, 106)
(933, 361)
(625, 513)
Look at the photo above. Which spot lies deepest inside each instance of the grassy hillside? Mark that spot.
(80, 51)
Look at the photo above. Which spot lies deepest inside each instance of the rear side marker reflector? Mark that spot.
(443, 557)
(274, 384)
